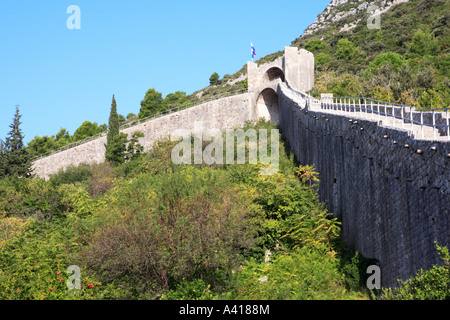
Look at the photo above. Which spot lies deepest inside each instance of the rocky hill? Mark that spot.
(403, 59)
(338, 10)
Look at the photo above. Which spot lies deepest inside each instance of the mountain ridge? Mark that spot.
(330, 15)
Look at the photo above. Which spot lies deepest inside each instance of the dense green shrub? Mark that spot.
(346, 49)
(33, 264)
(433, 284)
(190, 290)
(354, 267)
(25, 198)
(322, 59)
(314, 45)
(307, 273)
(395, 60)
(71, 174)
(157, 229)
(101, 179)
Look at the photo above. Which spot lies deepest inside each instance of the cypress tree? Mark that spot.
(16, 160)
(115, 141)
(113, 122)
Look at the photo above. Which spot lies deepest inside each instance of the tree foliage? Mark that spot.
(153, 103)
(175, 99)
(433, 284)
(134, 148)
(2, 159)
(116, 149)
(407, 61)
(88, 129)
(15, 160)
(422, 44)
(115, 146)
(214, 79)
(314, 45)
(149, 229)
(395, 60)
(63, 138)
(121, 149)
(113, 125)
(196, 229)
(346, 49)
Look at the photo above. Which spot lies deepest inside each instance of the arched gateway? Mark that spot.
(295, 68)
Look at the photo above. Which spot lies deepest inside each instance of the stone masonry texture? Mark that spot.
(393, 201)
(225, 113)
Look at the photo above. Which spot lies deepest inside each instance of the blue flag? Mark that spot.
(253, 50)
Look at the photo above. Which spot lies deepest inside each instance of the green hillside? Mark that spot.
(406, 61)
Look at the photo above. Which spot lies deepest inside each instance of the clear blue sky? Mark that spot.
(61, 77)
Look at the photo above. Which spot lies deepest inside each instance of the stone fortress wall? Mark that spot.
(228, 112)
(390, 190)
(393, 200)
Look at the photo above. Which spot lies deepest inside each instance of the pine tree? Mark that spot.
(16, 160)
(2, 158)
(214, 79)
(152, 104)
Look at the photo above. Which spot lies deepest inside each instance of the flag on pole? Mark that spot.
(253, 50)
